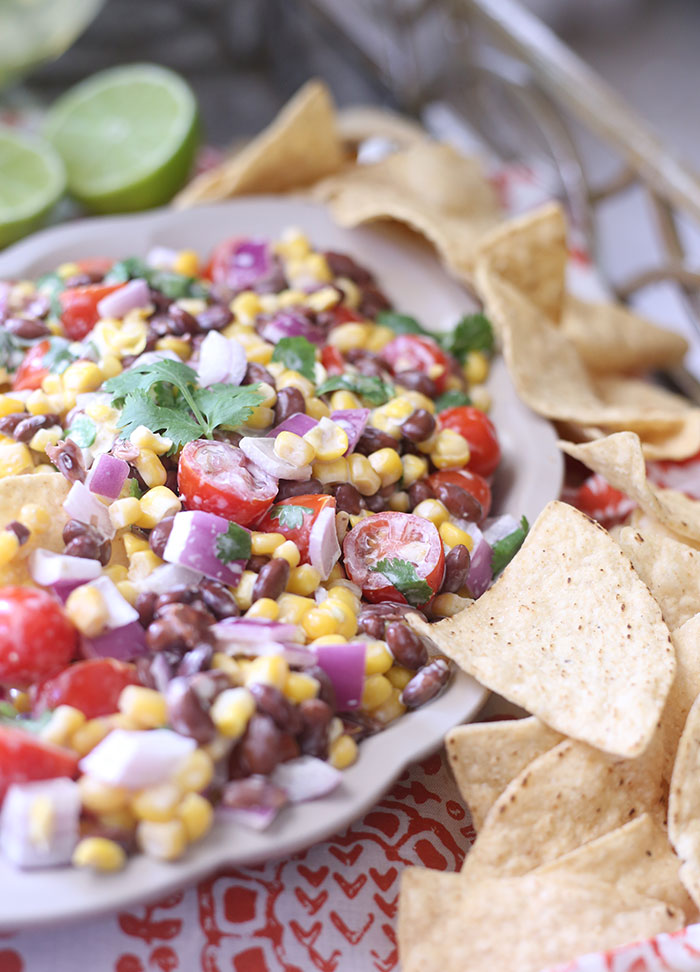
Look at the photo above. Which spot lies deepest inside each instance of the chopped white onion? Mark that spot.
(21, 841)
(120, 612)
(80, 504)
(261, 451)
(161, 257)
(48, 568)
(134, 759)
(324, 549)
(221, 359)
(499, 527)
(306, 778)
(164, 578)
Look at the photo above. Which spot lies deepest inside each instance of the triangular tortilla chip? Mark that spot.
(684, 803)
(359, 122)
(669, 568)
(47, 490)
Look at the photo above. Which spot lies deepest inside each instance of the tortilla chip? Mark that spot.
(430, 187)
(611, 338)
(685, 688)
(568, 796)
(486, 756)
(359, 122)
(300, 146)
(684, 803)
(570, 633)
(526, 923)
(48, 490)
(619, 459)
(679, 442)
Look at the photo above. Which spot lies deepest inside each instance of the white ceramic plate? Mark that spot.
(530, 476)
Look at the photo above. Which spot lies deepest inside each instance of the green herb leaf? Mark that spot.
(235, 544)
(297, 354)
(401, 323)
(171, 284)
(83, 431)
(472, 333)
(504, 550)
(144, 377)
(134, 488)
(51, 285)
(12, 350)
(451, 399)
(12, 719)
(227, 406)
(127, 269)
(59, 355)
(375, 390)
(404, 576)
(289, 515)
(140, 409)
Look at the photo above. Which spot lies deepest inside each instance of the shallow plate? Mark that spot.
(530, 476)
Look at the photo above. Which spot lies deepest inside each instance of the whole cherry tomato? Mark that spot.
(93, 686)
(79, 312)
(413, 352)
(478, 429)
(25, 757)
(218, 478)
(294, 518)
(36, 637)
(465, 479)
(32, 372)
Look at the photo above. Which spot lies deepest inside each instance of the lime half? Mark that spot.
(127, 137)
(32, 180)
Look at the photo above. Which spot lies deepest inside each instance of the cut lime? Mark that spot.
(32, 180)
(127, 136)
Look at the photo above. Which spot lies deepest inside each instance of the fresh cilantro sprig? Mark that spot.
(451, 399)
(51, 285)
(375, 390)
(59, 355)
(12, 350)
(234, 544)
(289, 515)
(83, 431)
(404, 576)
(173, 285)
(472, 333)
(504, 550)
(296, 354)
(400, 323)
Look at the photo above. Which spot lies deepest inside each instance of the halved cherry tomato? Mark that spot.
(32, 372)
(601, 501)
(24, 757)
(478, 429)
(218, 478)
(36, 637)
(466, 479)
(79, 312)
(93, 686)
(388, 536)
(332, 360)
(413, 352)
(296, 527)
(98, 266)
(342, 315)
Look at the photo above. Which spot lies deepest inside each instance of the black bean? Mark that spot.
(419, 426)
(9, 423)
(426, 684)
(28, 427)
(367, 362)
(294, 487)
(326, 691)
(179, 627)
(78, 280)
(84, 540)
(417, 381)
(215, 318)
(459, 502)
(218, 599)
(257, 562)
(270, 701)
(260, 746)
(342, 265)
(86, 547)
(289, 402)
(418, 492)
(182, 322)
(272, 579)
(180, 594)
(187, 714)
(20, 531)
(347, 499)
(456, 569)
(316, 717)
(407, 647)
(376, 503)
(256, 372)
(159, 300)
(146, 606)
(160, 534)
(372, 301)
(255, 791)
(197, 660)
(373, 439)
(373, 618)
(23, 327)
(67, 457)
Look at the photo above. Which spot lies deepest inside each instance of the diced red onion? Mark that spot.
(291, 323)
(132, 295)
(251, 261)
(119, 611)
(498, 527)
(124, 644)
(344, 664)
(80, 504)
(480, 574)
(255, 630)
(353, 422)
(306, 778)
(150, 357)
(192, 543)
(63, 589)
(167, 576)
(261, 451)
(48, 568)
(299, 423)
(258, 818)
(134, 759)
(162, 257)
(16, 841)
(107, 475)
(221, 359)
(324, 549)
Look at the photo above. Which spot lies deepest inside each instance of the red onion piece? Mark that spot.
(107, 475)
(62, 589)
(299, 423)
(48, 568)
(352, 421)
(192, 543)
(221, 360)
(251, 261)
(255, 630)
(345, 666)
(306, 778)
(133, 294)
(161, 257)
(255, 818)
(167, 576)
(324, 549)
(261, 451)
(480, 574)
(16, 841)
(134, 759)
(80, 504)
(291, 323)
(124, 644)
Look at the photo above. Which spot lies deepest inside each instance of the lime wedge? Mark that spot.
(127, 137)
(32, 180)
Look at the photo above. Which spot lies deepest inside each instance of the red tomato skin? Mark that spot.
(32, 372)
(93, 686)
(332, 360)
(343, 315)
(25, 757)
(479, 431)
(201, 477)
(300, 535)
(36, 637)
(466, 479)
(79, 308)
(95, 265)
(414, 352)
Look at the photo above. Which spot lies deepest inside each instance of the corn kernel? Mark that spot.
(362, 475)
(9, 405)
(376, 691)
(42, 468)
(110, 366)
(400, 502)
(348, 337)
(293, 607)
(414, 468)
(290, 298)
(82, 376)
(100, 854)
(15, 459)
(328, 439)
(264, 607)
(195, 773)
(318, 622)
(378, 658)
(65, 720)
(379, 337)
(87, 610)
(99, 797)
(246, 306)
(179, 346)
(476, 368)
(336, 471)
(268, 670)
(340, 592)
(300, 687)
(244, 591)
(142, 564)
(158, 802)
(232, 710)
(9, 546)
(287, 551)
(156, 504)
(265, 544)
(356, 518)
(453, 535)
(451, 450)
(124, 512)
(38, 403)
(261, 352)
(387, 465)
(391, 709)
(102, 413)
(294, 245)
(165, 841)
(44, 438)
(117, 573)
(143, 438)
(88, 736)
(186, 263)
(303, 579)
(51, 385)
(323, 299)
(134, 544)
(197, 814)
(418, 400)
(292, 379)
(342, 752)
(343, 400)
(68, 269)
(317, 409)
(295, 449)
(481, 398)
(20, 700)
(145, 706)
(399, 676)
(447, 605)
(229, 666)
(128, 590)
(150, 468)
(389, 420)
(433, 510)
(345, 617)
(122, 819)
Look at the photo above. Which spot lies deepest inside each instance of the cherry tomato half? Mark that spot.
(218, 478)
(413, 352)
(32, 372)
(93, 686)
(332, 360)
(24, 757)
(95, 266)
(79, 312)
(36, 638)
(296, 526)
(466, 479)
(601, 501)
(388, 536)
(478, 429)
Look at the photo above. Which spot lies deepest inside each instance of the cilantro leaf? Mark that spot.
(472, 333)
(235, 544)
(297, 354)
(375, 390)
(400, 323)
(11, 718)
(12, 350)
(226, 405)
(127, 269)
(451, 399)
(289, 515)
(404, 576)
(83, 431)
(51, 285)
(134, 488)
(140, 409)
(173, 285)
(144, 377)
(59, 355)
(504, 550)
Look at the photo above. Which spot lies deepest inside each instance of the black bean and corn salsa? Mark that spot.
(228, 484)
